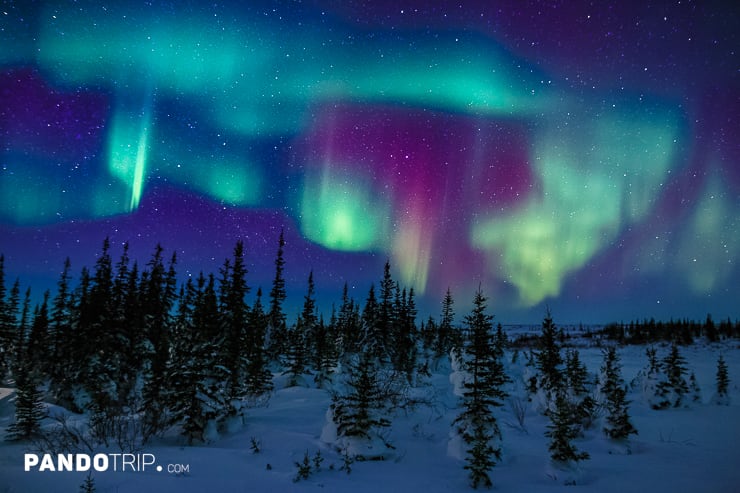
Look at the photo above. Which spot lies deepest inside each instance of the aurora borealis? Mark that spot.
(562, 153)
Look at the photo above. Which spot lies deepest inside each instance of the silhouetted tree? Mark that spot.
(618, 425)
(483, 391)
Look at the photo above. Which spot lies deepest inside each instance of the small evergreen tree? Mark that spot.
(618, 425)
(549, 359)
(723, 382)
(695, 389)
(673, 388)
(575, 372)
(88, 485)
(562, 430)
(360, 412)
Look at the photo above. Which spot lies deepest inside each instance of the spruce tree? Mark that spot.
(277, 334)
(195, 394)
(29, 409)
(387, 319)
(235, 316)
(37, 346)
(6, 326)
(673, 388)
(562, 430)
(447, 337)
(576, 378)
(483, 391)
(575, 372)
(372, 338)
(723, 381)
(548, 358)
(618, 425)
(360, 411)
(259, 377)
(88, 485)
(158, 291)
(297, 359)
(61, 374)
(348, 325)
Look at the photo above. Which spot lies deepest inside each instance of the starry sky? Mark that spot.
(579, 155)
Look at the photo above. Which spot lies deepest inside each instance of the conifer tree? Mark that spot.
(277, 334)
(37, 346)
(549, 359)
(360, 411)
(348, 325)
(386, 314)
(673, 388)
(259, 377)
(447, 337)
(29, 409)
(695, 389)
(404, 350)
(618, 425)
(88, 485)
(324, 353)
(195, 394)
(372, 338)
(297, 357)
(562, 430)
(235, 316)
(483, 391)
(20, 353)
(723, 382)
(158, 291)
(575, 372)
(6, 326)
(61, 371)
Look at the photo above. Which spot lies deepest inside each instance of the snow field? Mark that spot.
(677, 450)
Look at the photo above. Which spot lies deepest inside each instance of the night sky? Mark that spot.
(581, 155)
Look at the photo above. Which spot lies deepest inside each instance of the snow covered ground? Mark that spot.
(690, 449)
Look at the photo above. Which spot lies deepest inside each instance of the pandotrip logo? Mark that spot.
(99, 462)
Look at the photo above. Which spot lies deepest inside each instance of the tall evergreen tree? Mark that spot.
(386, 313)
(20, 353)
(195, 393)
(324, 352)
(235, 315)
(348, 325)
(446, 337)
(37, 348)
(277, 335)
(62, 374)
(297, 359)
(259, 377)
(158, 291)
(7, 328)
(403, 344)
(483, 391)
(372, 338)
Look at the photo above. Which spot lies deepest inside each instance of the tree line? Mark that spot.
(141, 353)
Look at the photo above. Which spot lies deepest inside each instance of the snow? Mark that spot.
(677, 450)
